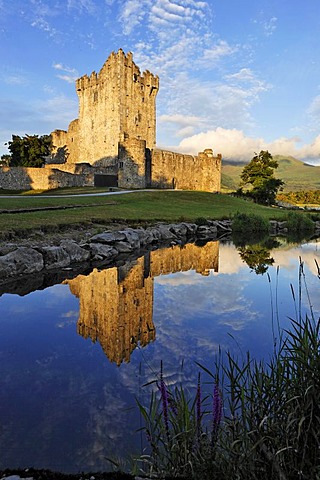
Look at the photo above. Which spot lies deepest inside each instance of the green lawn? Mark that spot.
(134, 207)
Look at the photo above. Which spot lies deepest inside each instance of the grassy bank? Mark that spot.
(150, 206)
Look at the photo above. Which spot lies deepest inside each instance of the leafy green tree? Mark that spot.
(28, 151)
(257, 257)
(259, 177)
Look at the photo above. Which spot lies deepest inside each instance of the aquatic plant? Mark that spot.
(264, 415)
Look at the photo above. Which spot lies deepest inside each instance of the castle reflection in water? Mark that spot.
(116, 304)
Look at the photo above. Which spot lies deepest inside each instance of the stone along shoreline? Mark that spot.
(59, 258)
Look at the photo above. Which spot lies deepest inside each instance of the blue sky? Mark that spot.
(235, 76)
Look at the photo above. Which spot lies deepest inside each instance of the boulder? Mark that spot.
(75, 252)
(191, 228)
(131, 237)
(282, 225)
(223, 226)
(165, 233)
(179, 230)
(145, 236)
(55, 257)
(21, 261)
(154, 234)
(7, 248)
(123, 247)
(108, 237)
(102, 251)
(206, 231)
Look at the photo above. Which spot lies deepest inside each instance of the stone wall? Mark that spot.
(27, 178)
(186, 172)
(132, 163)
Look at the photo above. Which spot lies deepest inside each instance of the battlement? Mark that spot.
(114, 64)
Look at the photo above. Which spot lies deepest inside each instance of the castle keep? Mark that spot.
(114, 104)
(116, 131)
(113, 142)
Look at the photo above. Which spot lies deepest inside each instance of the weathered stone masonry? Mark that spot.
(114, 138)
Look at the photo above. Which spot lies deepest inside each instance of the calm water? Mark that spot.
(74, 356)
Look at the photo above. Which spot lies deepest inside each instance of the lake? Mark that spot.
(75, 356)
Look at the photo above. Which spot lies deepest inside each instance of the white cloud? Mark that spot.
(234, 145)
(132, 14)
(219, 50)
(314, 108)
(70, 75)
(181, 49)
(57, 112)
(208, 105)
(37, 117)
(83, 6)
(311, 150)
(270, 26)
(14, 76)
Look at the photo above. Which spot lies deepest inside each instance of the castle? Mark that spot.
(113, 142)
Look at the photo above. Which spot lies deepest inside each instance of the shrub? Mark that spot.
(201, 221)
(299, 222)
(244, 223)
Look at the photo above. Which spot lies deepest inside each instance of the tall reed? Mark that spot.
(263, 419)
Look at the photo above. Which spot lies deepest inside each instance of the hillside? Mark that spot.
(295, 174)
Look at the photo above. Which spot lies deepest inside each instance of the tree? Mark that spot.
(257, 257)
(259, 176)
(28, 151)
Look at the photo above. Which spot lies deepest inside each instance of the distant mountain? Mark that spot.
(296, 175)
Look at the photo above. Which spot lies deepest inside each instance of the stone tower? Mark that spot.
(115, 104)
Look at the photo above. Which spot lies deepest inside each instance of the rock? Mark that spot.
(101, 250)
(282, 225)
(55, 257)
(75, 252)
(108, 237)
(21, 261)
(165, 233)
(223, 225)
(9, 247)
(123, 247)
(155, 234)
(145, 236)
(16, 477)
(132, 237)
(179, 230)
(206, 231)
(191, 228)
